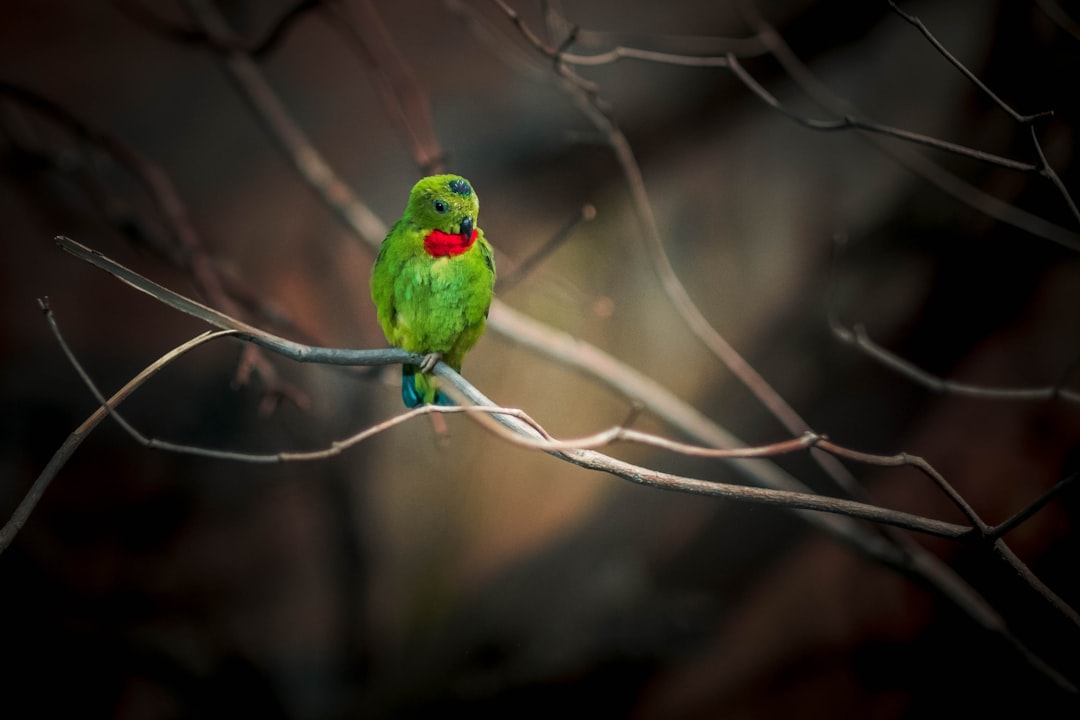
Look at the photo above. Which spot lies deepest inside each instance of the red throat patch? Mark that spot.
(440, 244)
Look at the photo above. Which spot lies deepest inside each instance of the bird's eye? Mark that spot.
(440, 207)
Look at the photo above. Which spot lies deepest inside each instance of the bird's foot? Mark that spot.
(429, 362)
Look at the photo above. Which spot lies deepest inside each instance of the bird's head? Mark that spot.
(445, 203)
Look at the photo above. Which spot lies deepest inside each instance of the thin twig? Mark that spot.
(730, 61)
(1047, 171)
(915, 162)
(850, 122)
(1043, 168)
(150, 20)
(986, 532)
(188, 250)
(972, 78)
(585, 214)
(64, 452)
(1004, 528)
(858, 337)
(403, 97)
(290, 349)
(621, 52)
(916, 462)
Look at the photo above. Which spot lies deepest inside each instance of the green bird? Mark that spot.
(432, 282)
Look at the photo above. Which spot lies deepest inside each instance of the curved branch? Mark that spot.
(517, 427)
(858, 337)
(60, 457)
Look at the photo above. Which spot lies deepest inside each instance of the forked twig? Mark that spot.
(987, 533)
(29, 501)
(850, 122)
(917, 163)
(1044, 167)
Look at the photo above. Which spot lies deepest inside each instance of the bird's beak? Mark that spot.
(467, 229)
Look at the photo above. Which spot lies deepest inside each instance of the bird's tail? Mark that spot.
(419, 389)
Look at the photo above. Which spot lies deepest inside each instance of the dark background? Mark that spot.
(409, 577)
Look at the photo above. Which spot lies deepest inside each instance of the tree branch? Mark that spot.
(187, 250)
(60, 457)
(858, 337)
(915, 162)
(512, 425)
(150, 20)
(585, 214)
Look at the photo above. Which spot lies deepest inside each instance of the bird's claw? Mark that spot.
(429, 362)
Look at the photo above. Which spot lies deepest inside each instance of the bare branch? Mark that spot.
(527, 433)
(858, 337)
(187, 250)
(1044, 167)
(913, 461)
(1038, 504)
(581, 457)
(850, 122)
(288, 348)
(403, 97)
(524, 432)
(972, 78)
(621, 52)
(1048, 172)
(585, 214)
(150, 20)
(978, 199)
(288, 134)
(60, 457)
(993, 535)
(930, 171)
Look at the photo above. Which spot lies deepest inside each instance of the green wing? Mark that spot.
(488, 256)
(387, 267)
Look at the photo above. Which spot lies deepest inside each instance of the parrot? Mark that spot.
(433, 281)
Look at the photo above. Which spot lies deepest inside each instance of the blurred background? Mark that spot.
(411, 575)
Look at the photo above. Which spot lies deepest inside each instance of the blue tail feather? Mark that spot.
(409, 394)
(412, 396)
